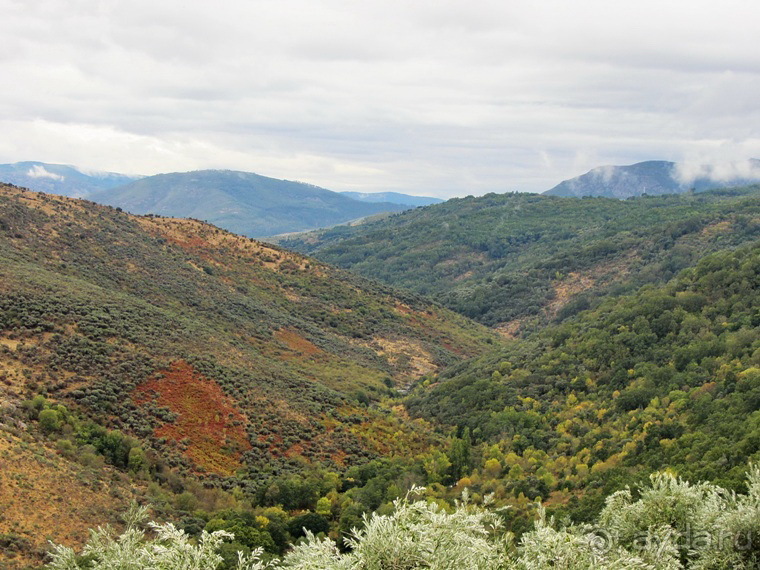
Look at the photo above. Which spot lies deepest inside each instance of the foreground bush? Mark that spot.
(171, 549)
(671, 525)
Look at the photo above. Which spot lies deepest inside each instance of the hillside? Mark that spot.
(514, 261)
(61, 179)
(654, 177)
(665, 378)
(240, 202)
(207, 354)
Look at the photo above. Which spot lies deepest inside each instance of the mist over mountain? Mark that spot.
(656, 177)
(60, 178)
(241, 202)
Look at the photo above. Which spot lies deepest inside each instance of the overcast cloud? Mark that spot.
(439, 97)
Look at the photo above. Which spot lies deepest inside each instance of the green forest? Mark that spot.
(500, 258)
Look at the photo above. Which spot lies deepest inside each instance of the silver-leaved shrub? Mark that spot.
(671, 525)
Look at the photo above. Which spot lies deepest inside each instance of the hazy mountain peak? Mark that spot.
(61, 179)
(658, 177)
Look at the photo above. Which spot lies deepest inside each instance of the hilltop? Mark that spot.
(241, 202)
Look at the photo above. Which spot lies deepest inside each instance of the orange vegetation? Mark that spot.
(39, 490)
(296, 343)
(207, 419)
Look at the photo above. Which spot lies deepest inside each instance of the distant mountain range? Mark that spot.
(259, 206)
(393, 198)
(241, 202)
(657, 177)
(61, 179)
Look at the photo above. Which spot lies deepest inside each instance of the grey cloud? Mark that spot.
(430, 97)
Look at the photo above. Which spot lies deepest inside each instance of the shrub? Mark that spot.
(673, 525)
(171, 549)
(50, 420)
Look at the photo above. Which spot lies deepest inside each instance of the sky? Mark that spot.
(429, 97)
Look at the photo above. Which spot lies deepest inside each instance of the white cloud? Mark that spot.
(689, 171)
(39, 171)
(446, 97)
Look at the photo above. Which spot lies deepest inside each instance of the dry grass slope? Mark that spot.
(45, 497)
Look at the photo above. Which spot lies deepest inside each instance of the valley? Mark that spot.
(230, 384)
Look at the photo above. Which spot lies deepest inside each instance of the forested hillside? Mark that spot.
(204, 353)
(515, 260)
(666, 378)
(672, 524)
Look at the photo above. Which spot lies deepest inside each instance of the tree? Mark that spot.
(324, 507)
(312, 523)
(492, 468)
(459, 455)
(50, 420)
(137, 461)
